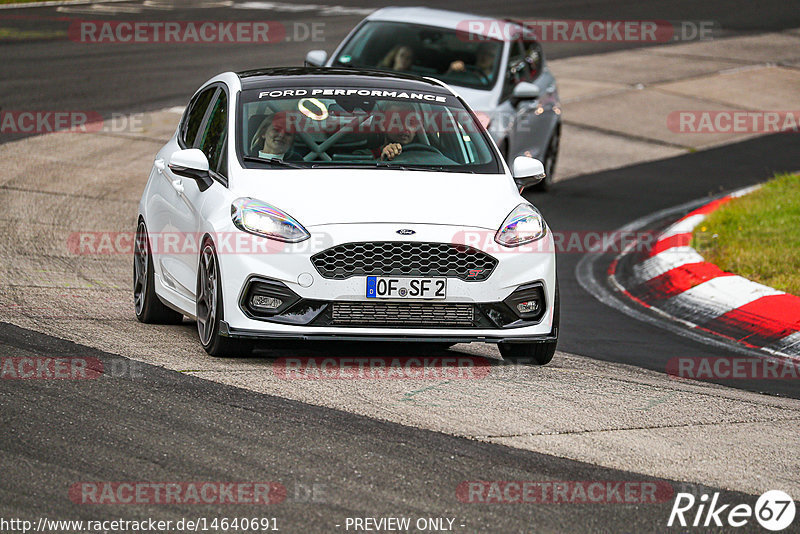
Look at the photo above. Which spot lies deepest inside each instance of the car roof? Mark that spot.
(425, 16)
(340, 76)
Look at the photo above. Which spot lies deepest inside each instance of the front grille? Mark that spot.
(401, 313)
(402, 258)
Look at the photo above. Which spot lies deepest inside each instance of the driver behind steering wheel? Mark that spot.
(484, 61)
(400, 128)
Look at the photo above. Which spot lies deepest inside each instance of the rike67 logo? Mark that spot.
(774, 510)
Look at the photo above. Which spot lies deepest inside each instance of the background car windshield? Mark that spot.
(455, 57)
(350, 126)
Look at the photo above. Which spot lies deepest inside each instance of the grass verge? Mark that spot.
(757, 236)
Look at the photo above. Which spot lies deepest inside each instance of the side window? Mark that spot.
(517, 69)
(194, 116)
(212, 141)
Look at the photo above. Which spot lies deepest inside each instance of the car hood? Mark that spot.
(340, 196)
(478, 99)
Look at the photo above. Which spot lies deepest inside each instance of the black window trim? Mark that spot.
(220, 87)
(188, 110)
(334, 61)
(498, 157)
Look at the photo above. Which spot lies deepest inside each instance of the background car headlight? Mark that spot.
(259, 218)
(523, 225)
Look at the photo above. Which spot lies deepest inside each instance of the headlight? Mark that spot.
(259, 218)
(523, 225)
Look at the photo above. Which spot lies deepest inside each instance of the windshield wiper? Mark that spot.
(360, 165)
(381, 164)
(273, 161)
(429, 168)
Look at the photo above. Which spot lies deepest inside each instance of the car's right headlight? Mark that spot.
(260, 218)
(523, 225)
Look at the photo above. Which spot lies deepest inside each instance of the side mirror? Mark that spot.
(527, 171)
(191, 163)
(316, 58)
(525, 91)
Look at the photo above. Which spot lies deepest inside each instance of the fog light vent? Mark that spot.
(528, 301)
(529, 306)
(263, 297)
(265, 303)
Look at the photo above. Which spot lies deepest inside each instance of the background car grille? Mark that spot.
(402, 258)
(401, 313)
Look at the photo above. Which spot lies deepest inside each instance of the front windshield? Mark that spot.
(280, 127)
(453, 56)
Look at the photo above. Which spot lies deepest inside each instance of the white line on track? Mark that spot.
(683, 226)
(716, 297)
(665, 261)
(585, 274)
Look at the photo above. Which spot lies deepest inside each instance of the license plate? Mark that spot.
(385, 287)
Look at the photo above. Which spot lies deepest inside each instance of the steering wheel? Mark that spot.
(478, 73)
(421, 147)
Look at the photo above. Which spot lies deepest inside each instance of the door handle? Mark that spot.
(177, 185)
(160, 165)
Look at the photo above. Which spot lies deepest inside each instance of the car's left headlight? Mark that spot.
(260, 218)
(523, 225)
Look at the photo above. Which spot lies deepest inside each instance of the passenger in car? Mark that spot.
(273, 138)
(399, 58)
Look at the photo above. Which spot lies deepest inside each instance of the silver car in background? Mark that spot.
(499, 70)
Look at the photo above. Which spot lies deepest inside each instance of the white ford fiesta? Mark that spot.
(340, 204)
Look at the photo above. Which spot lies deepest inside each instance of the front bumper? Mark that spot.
(291, 266)
(467, 337)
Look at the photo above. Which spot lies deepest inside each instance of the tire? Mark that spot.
(534, 353)
(210, 309)
(550, 159)
(147, 306)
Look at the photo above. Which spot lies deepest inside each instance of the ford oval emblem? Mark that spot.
(406, 231)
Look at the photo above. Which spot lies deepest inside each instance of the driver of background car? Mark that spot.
(484, 61)
(399, 58)
(400, 127)
(274, 138)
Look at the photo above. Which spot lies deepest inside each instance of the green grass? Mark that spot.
(757, 236)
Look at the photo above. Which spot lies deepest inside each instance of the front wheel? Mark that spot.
(148, 307)
(210, 309)
(550, 159)
(534, 353)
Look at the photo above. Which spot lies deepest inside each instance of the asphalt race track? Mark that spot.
(152, 423)
(161, 426)
(606, 201)
(54, 74)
